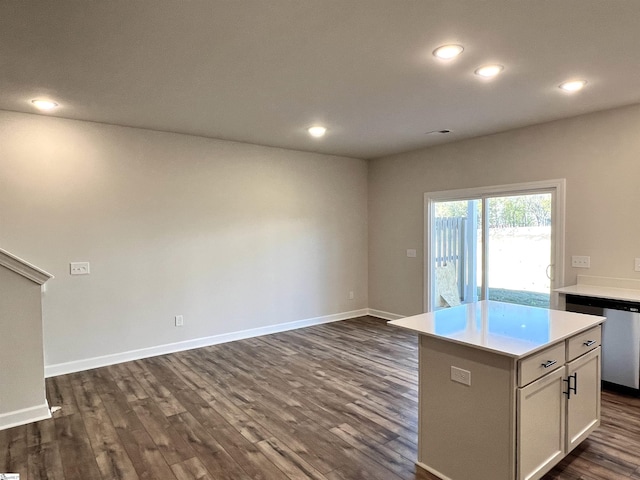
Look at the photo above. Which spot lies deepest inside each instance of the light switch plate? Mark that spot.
(79, 268)
(411, 252)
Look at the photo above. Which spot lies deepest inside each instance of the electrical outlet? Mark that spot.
(350, 295)
(79, 268)
(637, 265)
(580, 261)
(460, 375)
(179, 320)
(411, 252)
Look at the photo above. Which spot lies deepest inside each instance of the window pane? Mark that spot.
(457, 258)
(520, 249)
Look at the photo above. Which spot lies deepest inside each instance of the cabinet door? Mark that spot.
(541, 425)
(583, 407)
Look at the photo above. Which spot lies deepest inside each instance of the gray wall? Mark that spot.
(232, 236)
(598, 154)
(235, 236)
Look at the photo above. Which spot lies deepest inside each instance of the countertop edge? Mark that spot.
(422, 324)
(596, 291)
(515, 356)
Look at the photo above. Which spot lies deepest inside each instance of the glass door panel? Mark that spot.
(492, 247)
(519, 249)
(456, 252)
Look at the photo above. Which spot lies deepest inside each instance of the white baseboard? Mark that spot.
(433, 471)
(103, 361)
(384, 315)
(24, 416)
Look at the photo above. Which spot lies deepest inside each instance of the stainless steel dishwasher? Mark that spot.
(620, 339)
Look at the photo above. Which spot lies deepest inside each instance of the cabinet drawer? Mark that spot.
(533, 367)
(584, 342)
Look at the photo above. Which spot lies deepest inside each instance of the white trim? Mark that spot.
(23, 268)
(102, 361)
(556, 186)
(24, 416)
(496, 190)
(432, 471)
(557, 273)
(384, 315)
(486, 255)
(428, 285)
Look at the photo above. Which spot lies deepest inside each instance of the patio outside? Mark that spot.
(516, 250)
(519, 246)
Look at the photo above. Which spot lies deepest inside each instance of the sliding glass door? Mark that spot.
(456, 251)
(498, 243)
(519, 253)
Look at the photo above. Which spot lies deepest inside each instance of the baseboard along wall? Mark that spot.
(42, 412)
(102, 361)
(24, 416)
(384, 315)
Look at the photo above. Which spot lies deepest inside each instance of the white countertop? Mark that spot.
(630, 295)
(512, 330)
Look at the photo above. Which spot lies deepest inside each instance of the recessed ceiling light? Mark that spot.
(44, 104)
(447, 52)
(573, 85)
(489, 71)
(317, 131)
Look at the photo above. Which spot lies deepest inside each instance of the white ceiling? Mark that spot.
(262, 71)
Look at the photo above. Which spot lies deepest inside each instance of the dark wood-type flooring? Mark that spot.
(336, 401)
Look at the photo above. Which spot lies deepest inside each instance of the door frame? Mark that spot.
(557, 189)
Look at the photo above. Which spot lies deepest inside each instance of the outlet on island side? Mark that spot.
(179, 320)
(460, 375)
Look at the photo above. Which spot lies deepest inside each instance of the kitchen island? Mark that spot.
(505, 391)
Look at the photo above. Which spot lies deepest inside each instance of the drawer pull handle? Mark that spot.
(588, 343)
(548, 363)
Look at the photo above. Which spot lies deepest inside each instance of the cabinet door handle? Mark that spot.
(588, 343)
(570, 389)
(548, 363)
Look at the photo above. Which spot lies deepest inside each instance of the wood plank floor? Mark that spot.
(337, 401)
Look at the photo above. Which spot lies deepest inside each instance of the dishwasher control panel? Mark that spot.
(600, 303)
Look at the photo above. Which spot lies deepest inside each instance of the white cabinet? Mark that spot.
(518, 417)
(541, 425)
(528, 394)
(557, 412)
(583, 405)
